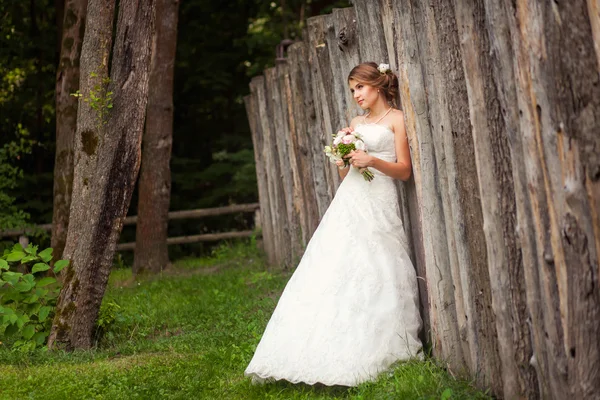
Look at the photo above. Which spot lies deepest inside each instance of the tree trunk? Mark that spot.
(151, 252)
(67, 83)
(107, 162)
(59, 9)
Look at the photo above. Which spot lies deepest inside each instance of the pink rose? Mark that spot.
(348, 139)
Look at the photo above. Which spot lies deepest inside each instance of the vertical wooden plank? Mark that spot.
(594, 14)
(444, 326)
(564, 99)
(276, 195)
(347, 51)
(499, 23)
(278, 134)
(278, 77)
(250, 102)
(426, 37)
(386, 9)
(371, 38)
(454, 147)
(311, 175)
(318, 58)
(498, 202)
(407, 69)
(337, 88)
(559, 123)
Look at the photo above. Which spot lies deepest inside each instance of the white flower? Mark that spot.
(340, 134)
(383, 68)
(337, 140)
(360, 145)
(327, 149)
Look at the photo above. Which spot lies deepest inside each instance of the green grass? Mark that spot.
(189, 334)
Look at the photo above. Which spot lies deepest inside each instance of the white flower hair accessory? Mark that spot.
(383, 68)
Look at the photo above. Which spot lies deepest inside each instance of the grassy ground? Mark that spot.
(189, 334)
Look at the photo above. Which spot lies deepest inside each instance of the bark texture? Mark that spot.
(151, 252)
(108, 152)
(67, 83)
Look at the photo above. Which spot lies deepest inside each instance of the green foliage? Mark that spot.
(109, 313)
(100, 98)
(10, 174)
(27, 79)
(345, 149)
(27, 296)
(190, 333)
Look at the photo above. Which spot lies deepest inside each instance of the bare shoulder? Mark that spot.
(356, 120)
(398, 122)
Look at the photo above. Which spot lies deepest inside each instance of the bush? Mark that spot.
(27, 296)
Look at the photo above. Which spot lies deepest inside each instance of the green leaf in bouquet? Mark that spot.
(3, 264)
(40, 267)
(59, 265)
(45, 281)
(46, 255)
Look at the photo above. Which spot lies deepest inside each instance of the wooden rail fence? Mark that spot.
(502, 109)
(185, 214)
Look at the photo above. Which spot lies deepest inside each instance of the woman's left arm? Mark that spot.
(400, 169)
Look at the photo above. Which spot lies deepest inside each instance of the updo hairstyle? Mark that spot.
(367, 73)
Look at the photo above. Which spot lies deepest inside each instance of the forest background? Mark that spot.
(220, 47)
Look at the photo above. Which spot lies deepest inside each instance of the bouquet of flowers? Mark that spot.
(343, 144)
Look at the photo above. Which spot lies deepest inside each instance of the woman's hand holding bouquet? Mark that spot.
(347, 143)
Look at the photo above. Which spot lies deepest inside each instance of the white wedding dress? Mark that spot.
(350, 309)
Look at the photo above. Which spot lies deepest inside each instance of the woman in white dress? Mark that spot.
(350, 310)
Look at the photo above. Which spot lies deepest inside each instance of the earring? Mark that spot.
(377, 90)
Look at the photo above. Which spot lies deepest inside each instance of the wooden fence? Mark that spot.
(502, 108)
(185, 214)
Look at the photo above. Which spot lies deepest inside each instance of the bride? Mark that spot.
(350, 310)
